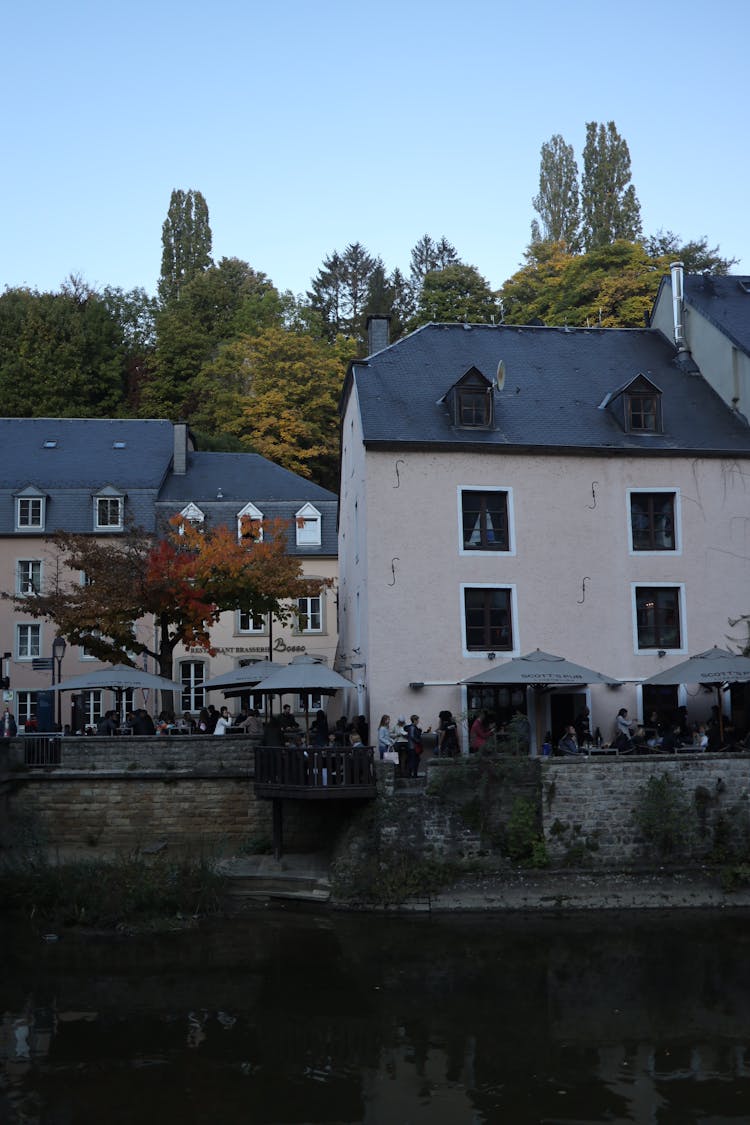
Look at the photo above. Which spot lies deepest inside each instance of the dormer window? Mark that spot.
(109, 510)
(470, 401)
(637, 405)
(250, 523)
(30, 510)
(643, 414)
(192, 514)
(307, 522)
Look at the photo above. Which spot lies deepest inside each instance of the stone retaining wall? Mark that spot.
(588, 803)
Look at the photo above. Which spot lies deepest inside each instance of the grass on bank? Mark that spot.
(112, 893)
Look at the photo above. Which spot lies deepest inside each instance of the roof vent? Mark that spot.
(119, 444)
(51, 443)
(744, 284)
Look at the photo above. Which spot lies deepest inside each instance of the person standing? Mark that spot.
(9, 727)
(414, 749)
(385, 741)
(447, 744)
(481, 730)
(623, 732)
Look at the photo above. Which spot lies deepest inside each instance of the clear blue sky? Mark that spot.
(311, 125)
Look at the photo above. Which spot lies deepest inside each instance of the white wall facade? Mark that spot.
(571, 567)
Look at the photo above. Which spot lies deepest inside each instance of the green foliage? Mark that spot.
(696, 255)
(609, 206)
(664, 816)
(186, 243)
(523, 838)
(456, 293)
(557, 201)
(339, 292)
(612, 286)
(219, 304)
(277, 394)
(62, 355)
(391, 877)
(117, 893)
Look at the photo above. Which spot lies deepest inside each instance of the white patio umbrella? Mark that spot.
(306, 676)
(539, 667)
(118, 678)
(240, 680)
(715, 667)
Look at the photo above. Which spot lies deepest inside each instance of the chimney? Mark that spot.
(378, 332)
(677, 271)
(179, 453)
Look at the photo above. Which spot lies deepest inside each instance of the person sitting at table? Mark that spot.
(287, 719)
(224, 722)
(143, 724)
(107, 725)
(568, 744)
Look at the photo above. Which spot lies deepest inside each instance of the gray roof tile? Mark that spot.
(555, 381)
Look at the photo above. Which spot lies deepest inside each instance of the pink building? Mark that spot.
(582, 491)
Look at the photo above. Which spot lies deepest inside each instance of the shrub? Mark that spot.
(665, 816)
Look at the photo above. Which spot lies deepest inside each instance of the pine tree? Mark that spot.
(186, 243)
(609, 205)
(557, 202)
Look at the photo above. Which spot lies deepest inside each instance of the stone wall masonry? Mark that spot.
(588, 802)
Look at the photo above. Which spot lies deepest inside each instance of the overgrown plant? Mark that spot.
(665, 816)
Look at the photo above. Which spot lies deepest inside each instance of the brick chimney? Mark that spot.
(378, 333)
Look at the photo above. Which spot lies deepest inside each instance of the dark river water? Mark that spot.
(285, 1017)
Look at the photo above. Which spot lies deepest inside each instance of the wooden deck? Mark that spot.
(307, 773)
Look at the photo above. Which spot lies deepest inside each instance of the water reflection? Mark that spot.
(287, 1017)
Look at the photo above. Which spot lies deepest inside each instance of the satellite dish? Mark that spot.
(500, 377)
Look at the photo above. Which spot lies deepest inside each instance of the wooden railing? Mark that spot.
(306, 771)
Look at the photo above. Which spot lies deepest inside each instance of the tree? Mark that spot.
(457, 293)
(339, 291)
(609, 205)
(61, 354)
(278, 392)
(186, 243)
(428, 256)
(696, 256)
(223, 302)
(182, 581)
(557, 200)
(612, 286)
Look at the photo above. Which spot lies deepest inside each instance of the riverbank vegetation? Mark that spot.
(124, 893)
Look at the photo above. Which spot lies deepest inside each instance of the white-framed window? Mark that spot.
(253, 623)
(314, 703)
(30, 513)
(90, 703)
(488, 615)
(108, 512)
(25, 706)
(192, 678)
(307, 523)
(310, 619)
(485, 520)
(28, 641)
(191, 513)
(654, 520)
(659, 616)
(86, 654)
(247, 529)
(28, 576)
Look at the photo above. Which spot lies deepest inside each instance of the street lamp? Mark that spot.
(58, 652)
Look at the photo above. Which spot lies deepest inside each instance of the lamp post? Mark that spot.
(58, 652)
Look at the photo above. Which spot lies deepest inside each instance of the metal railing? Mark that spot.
(42, 749)
(331, 771)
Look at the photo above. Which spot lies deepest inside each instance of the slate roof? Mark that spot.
(84, 460)
(85, 455)
(724, 301)
(556, 379)
(243, 478)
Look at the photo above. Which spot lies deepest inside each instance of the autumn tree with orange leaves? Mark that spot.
(182, 582)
